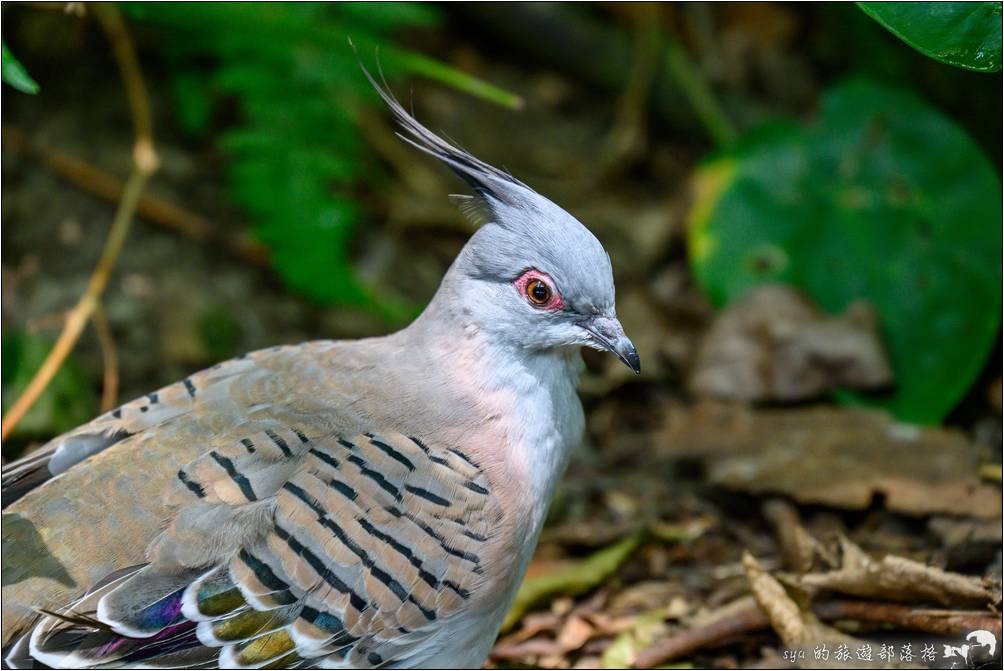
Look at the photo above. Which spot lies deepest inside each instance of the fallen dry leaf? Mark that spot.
(798, 628)
(575, 632)
(533, 624)
(840, 457)
(798, 546)
(527, 650)
(776, 345)
(682, 532)
(896, 578)
(795, 628)
(649, 595)
(555, 661)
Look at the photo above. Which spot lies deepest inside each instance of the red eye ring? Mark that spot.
(538, 290)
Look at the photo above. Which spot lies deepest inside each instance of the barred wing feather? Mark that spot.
(289, 549)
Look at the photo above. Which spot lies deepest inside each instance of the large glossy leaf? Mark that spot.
(884, 199)
(964, 34)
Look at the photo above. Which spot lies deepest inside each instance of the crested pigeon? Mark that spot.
(333, 504)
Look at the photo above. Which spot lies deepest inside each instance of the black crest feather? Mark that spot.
(486, 180)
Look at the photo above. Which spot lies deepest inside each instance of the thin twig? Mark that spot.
(106, 340)
(84, 308)
(932, 621)
(152, 208)
(144, 165)
(144, 156)
(738, 618)
(109, 358)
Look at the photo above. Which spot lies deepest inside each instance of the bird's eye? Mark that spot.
(538, 292)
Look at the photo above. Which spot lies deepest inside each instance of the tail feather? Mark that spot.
(140, 617)
(18, 656)
(197, 657)
(76, 647)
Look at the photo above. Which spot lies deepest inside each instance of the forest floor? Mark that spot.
(688, 531)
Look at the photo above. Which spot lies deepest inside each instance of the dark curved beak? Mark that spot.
(609, 334)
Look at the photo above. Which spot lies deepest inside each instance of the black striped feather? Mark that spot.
(367, 545)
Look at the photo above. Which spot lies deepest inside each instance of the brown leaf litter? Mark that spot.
(839, 457)
(896, 579)
(774, 344)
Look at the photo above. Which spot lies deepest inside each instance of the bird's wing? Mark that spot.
(203, 389)
(99, 515)
(293, 547)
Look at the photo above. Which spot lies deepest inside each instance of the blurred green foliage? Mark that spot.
(15, 74)
(294, 151)
(964, 34)
(220, 331)
(67, 402)
(884, 198)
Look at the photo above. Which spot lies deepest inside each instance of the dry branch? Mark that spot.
(152, 208)
(144, 165)
(109, 358)
(953, 623)
(732, 620)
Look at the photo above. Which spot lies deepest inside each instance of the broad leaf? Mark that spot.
(884, 199)
(964, 34)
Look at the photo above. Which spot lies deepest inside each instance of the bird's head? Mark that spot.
(532, 274)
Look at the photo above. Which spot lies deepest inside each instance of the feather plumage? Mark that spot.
(369, 538)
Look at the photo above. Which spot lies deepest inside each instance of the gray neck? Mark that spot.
(544, 420)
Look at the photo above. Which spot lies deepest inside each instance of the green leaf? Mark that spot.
(418, 64)
(194, 107)
(15, 74)
(295, 153)
(576, 579)
(884, 199)
(963, 34)
(624, 649)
